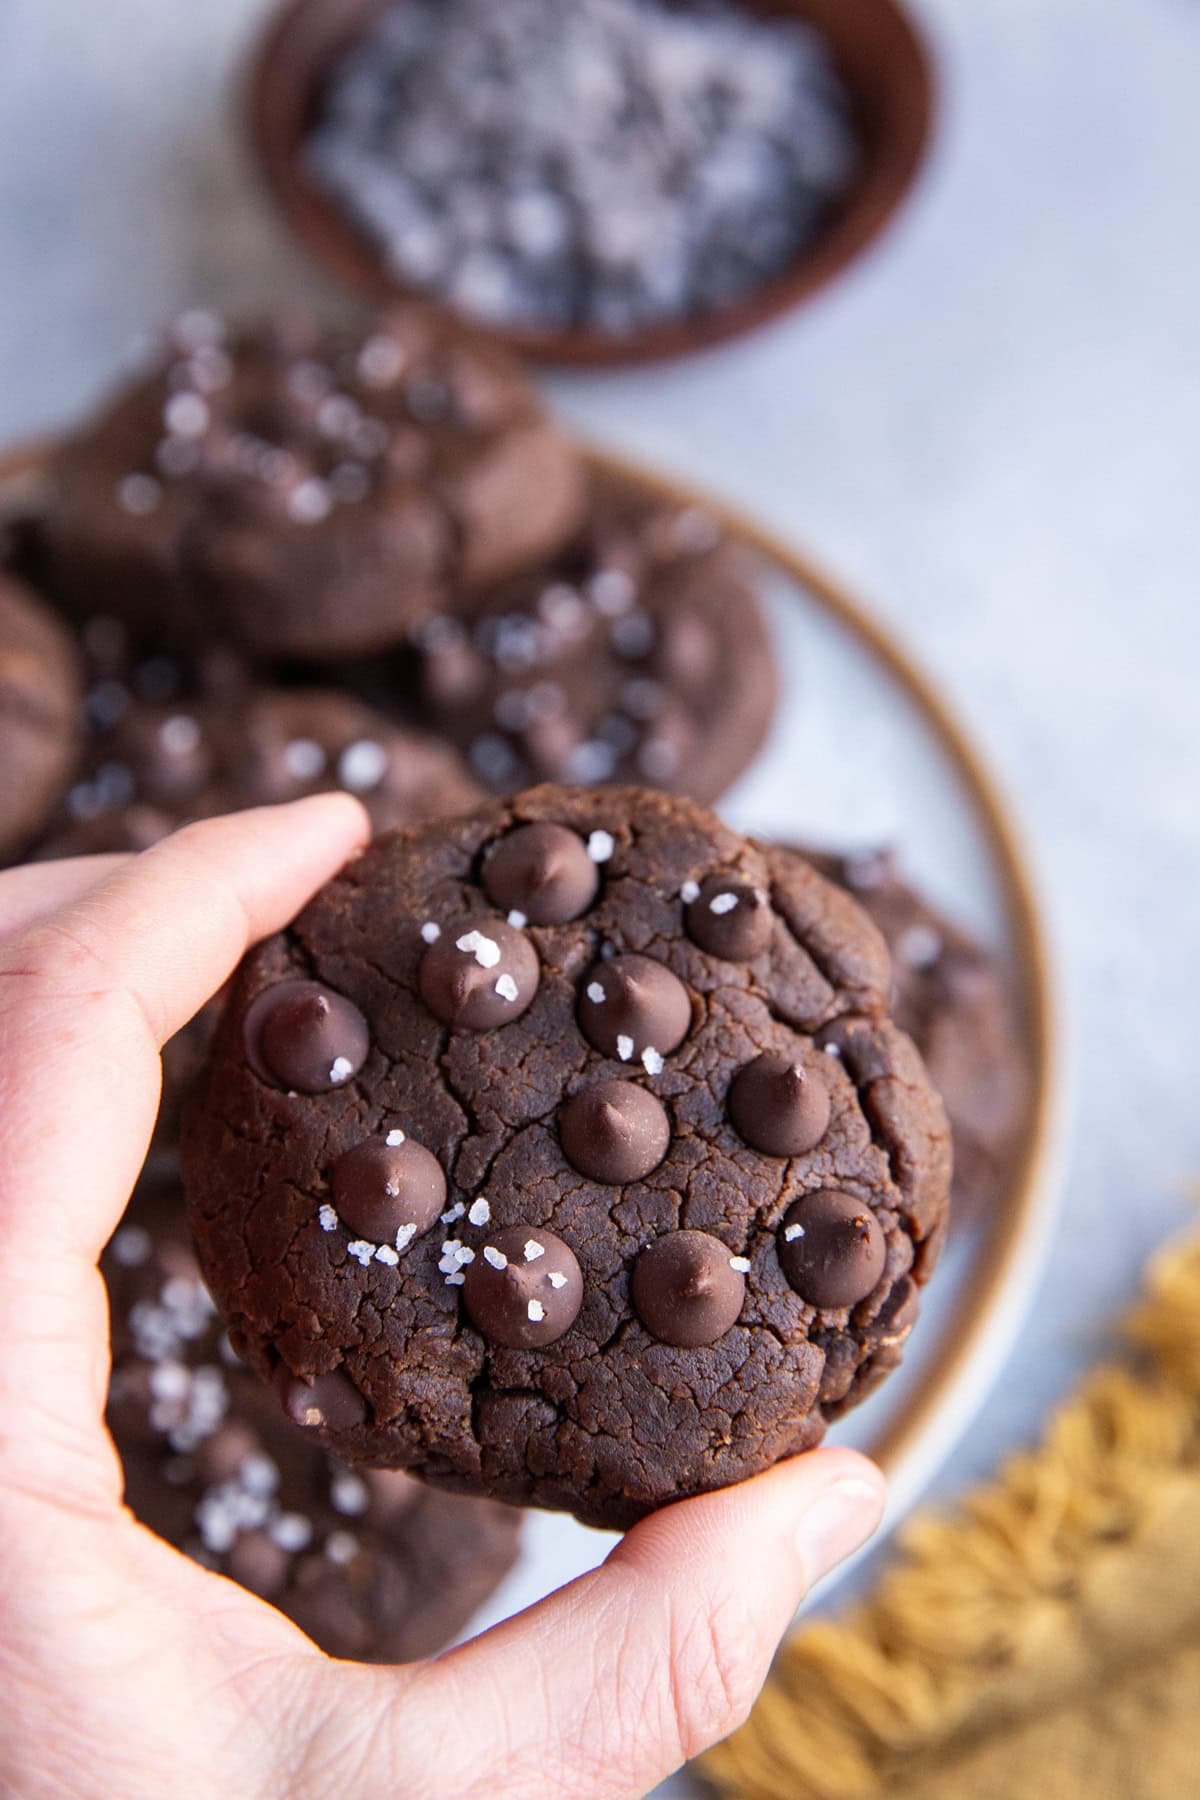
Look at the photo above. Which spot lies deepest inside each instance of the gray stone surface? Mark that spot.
(991, 428)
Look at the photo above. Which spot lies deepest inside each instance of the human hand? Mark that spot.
(127, 1670)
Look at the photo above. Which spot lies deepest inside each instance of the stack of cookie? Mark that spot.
(618, 1128)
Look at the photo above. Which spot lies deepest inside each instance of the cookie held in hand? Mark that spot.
(694, 1175)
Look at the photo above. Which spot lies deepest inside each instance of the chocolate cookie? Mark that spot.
(593, 1212)
(641, 654)
(171, 739)
(308, 492)
(150, 765)
(39, 695)
(952, 998)
(373, 1567)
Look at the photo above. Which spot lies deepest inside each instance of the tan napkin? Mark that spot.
(1043, 1641)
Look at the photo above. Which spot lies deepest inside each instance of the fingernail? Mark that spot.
(837, 1523)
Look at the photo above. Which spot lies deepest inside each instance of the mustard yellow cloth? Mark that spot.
(1042, 1642)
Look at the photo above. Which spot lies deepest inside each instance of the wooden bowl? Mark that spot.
(874, 46)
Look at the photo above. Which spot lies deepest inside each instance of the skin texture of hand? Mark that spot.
(128, 1672)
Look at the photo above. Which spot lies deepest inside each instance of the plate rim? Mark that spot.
(986, 1317)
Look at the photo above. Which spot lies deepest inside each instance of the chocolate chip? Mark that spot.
(779, 1105)
(668, 746)
(543, 871)
(831, 1248)
(392, 1491)
(632, 1005)
(220, 1456)
(524, 1287)
(685, 652)
(328, 1402)
(898, 1314)
(550, 744)
(614, 1131)
(452, 673)
(168, 752)
(380, 1188)
(257, 1562)
(730, 918)
(686, 1290)
(479, 973)
(303, 1035)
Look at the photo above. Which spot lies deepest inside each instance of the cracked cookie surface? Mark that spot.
(623, 1300)
(373, 1566)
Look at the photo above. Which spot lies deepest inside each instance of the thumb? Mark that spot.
(607, 1686)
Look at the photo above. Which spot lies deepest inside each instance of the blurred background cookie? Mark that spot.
(172, 737)
(306, 491)
(640, 654)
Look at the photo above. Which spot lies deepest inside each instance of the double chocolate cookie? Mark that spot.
(641, 654)
(373, 1566)
(308, 492)
(173, 738)
(39, 732)
(951, 996)
(566, 1153)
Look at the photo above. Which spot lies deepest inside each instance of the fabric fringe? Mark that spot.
(1081, 1556)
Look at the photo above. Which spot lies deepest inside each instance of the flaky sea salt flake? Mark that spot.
(139, 495)
(485, 950)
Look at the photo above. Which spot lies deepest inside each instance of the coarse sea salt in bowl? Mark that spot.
(611, 182)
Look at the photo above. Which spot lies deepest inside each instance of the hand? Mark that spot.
(125, 1669)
